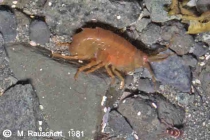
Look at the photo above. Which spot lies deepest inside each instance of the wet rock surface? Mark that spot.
(7, 78)
(118, 125)
(29, 6)
(21, 106)
(19, 103)
(8, 24)
(174, 72)
(139, 113)
(179, 41)
(151, 34)
(199, 49)
(156, 10)
(202, 5)
(146, 85)
(136, 112)
(168, 112)
(204, 37)
(189, 60)
(74, 14)
(153, 111)
(57, 90)
(205, 77)
(141, 24)
(39, 32)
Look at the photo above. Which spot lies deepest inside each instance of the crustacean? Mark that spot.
(171, 130)
(106, 49)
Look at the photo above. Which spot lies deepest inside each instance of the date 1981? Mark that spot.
(75, 133)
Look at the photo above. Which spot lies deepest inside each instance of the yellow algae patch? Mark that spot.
(198, 24)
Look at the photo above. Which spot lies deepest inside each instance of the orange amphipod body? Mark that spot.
(106, 49)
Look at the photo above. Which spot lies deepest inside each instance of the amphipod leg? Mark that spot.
(92, 63)
(108, 70)
(75, 57)
(148, 66)
(122, 84)
(95, 68)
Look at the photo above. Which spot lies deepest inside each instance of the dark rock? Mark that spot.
(157, 10)
(146, 85)
(142, 117)
(142, 72)
(199, 49)
(142, 24)
(23, 22)
(20, 111)
(205, 79)
(146, 13)
(203, 5)
(128, 80)
(189, 60)
(174, 72)
(168, 112)
(65, 17)
(151, 114)
(6, 76)
(170, 28)
(112, 95)
(158, 47)
(131, 32)
(140, 81)
(151, 34)
(176, 35)
(185, 99)
(204, 37)
(39, 32)
(143, 84)
(30, 7)
(130, 137)
(7, 24)
(118, 125)
(68, 104)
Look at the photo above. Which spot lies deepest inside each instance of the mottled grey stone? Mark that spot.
(142, 72)
(185, 99)
(6, 76)
(142, 117)
(66, 16)
(39, 32)
(32, 7)
(199, 49)
(7, 24)
(203, 5)
(118, 125)
(19, 107)
(204, 37)
(68, 104)
(156, 8)
(141, 24)
(205, 79)
(146, 85)
(168, 112)
(173, 71)
(189, 60)
(151, 34)
(128, 80)
(175, 34)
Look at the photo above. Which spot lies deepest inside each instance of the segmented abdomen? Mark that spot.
(112, 49)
